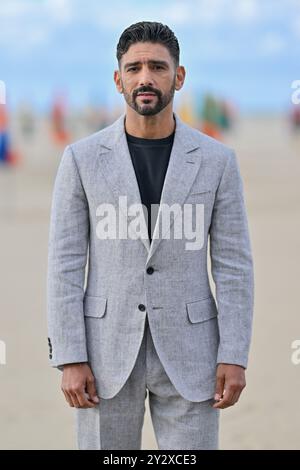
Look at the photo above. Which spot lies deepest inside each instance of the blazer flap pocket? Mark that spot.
(94, 306)
(201, 310)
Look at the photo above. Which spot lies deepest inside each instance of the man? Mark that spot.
(147, 319)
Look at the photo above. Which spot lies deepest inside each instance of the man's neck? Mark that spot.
(149, 127)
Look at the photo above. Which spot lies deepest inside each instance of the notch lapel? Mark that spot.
(183, 167)
(118, 170)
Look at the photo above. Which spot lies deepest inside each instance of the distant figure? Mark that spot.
(295, 118)
(58, 116)
(3, 135)
(7, 156)
(211, 118)
(226, 115)
(26, 120)
(186, 110)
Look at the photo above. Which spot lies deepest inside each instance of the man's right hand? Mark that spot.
(78, 385)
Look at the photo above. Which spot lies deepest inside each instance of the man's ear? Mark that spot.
(180, 77)
(117, 80)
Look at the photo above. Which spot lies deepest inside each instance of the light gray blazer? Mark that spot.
(102, 320)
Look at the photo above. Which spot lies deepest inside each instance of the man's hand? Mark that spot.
(78, 385)
(230, 383)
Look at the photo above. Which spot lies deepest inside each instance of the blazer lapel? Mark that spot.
(117, 168)
(183, 167)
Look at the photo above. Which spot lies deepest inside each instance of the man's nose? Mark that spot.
(145, 78)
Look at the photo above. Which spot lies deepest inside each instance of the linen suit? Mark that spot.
(102, 320)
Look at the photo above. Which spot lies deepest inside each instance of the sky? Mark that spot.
(245, 50)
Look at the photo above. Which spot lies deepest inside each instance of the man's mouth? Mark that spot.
(146, 94)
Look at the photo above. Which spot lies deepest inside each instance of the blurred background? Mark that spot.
(242, 87)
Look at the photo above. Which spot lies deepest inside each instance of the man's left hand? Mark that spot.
(230, 383)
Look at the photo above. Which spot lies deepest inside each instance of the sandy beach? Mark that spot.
(34, 414)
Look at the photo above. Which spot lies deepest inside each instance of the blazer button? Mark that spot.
(150, 270)
(142, 307)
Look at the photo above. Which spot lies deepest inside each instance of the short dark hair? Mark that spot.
(148, 31)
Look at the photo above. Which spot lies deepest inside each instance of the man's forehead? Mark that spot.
(147, 51)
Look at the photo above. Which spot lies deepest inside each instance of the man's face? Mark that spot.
(148, 78)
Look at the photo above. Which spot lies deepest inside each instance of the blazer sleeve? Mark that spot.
(232, 266)
(67, 258)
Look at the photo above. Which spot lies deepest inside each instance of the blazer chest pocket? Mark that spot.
(201, 195)
(201, 310)
(94, 306)
(195, 191)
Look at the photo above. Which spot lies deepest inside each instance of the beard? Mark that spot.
(148, 107)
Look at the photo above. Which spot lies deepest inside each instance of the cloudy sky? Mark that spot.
(246, 50)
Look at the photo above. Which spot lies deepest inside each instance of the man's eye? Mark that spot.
(132, 68)
(158, 67)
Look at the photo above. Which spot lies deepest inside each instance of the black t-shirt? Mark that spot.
(150, 158)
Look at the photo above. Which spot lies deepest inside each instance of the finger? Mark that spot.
(237, 396)
(91, 390)
(74, 399)
(219, 387)
(226, 401)
(68, 398)
(237, 390)
(83, 400)
(227, 398)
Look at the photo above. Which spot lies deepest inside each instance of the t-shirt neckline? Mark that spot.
(141, 140)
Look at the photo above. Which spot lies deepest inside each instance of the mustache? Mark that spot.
(146, 89)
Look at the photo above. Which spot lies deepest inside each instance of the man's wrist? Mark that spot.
(73, 364)
(230, 364)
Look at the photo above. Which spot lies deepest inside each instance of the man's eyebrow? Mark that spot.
(151, 61)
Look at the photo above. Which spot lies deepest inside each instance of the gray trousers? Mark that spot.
(179, 424)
